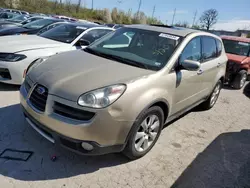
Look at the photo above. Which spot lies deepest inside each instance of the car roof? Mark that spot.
(165, 29)
(240, 39)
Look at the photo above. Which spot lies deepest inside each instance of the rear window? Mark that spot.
(209, 48)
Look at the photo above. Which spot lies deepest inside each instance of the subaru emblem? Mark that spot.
(40, 90)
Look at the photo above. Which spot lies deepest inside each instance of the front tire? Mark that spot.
(210, 102)
(240, 79)
(145, 132)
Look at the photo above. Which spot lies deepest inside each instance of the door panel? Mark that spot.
(188, 85)
(187, 92)
(210, 64)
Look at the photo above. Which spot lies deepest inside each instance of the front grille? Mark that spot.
(38, 97)
(5, 73)
(72, 113)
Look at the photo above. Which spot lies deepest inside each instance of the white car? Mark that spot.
(18, 52)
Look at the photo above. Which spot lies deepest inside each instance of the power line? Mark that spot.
(139, 7)
(173, 16)
(153, 12)
(194, 19)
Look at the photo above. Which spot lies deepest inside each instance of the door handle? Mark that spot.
(219, 64)
(200, 72)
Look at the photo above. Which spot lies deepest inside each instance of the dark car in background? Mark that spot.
(18, 21)
(29, 28)
(16, 11)
(7, 15)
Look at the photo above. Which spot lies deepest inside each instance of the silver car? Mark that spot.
(117, 94)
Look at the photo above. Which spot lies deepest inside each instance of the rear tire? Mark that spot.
(240, 79)
(145, 132)
(210, 102)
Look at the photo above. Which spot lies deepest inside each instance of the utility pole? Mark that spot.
(139, 7)
(92, 4)
(173, 16)
(194, 19)
(153, 12)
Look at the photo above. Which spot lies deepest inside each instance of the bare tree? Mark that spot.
(78, 5)
(209, 18)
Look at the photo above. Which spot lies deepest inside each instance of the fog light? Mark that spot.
(87, 146)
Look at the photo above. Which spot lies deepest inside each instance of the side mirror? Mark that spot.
(190, 65)
(83, 42)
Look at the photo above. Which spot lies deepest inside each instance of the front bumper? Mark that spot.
(104, 131)
(15, 70)
(69, 143)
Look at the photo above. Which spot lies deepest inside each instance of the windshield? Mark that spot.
(19, 18)
(63, 33)
(236, 47)
(38, 24)
(137, 47)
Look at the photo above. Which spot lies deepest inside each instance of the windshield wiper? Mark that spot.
(117, 58)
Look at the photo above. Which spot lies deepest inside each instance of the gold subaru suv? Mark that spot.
(117, 94)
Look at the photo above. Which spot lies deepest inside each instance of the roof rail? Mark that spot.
(161, 25)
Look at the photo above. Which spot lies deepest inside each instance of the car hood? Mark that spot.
(70, 74)
(236, 58)
(19, 43)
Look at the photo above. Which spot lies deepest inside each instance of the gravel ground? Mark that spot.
(202, 149)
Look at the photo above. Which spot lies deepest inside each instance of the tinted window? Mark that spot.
(95, 34)
(38, 24)
(63, 33)
(30, 20)
(49, 27)
(209, 48)
(219, 47)
(192, 51)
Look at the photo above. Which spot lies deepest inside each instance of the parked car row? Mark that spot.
(96, 90)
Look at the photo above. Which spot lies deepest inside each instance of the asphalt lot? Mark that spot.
(203, 149)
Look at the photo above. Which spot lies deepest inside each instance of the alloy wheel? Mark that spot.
(147, 133)
(243, 80)
(215, 94)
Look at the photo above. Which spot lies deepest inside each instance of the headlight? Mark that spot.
(35, 64)
(103, 97)
(11, 57)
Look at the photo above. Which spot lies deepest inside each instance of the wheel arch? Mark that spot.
(162, 103)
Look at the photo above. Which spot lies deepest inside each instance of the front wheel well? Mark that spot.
(164, 108)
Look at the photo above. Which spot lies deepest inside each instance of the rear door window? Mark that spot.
(209, 50)
(219, 47)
